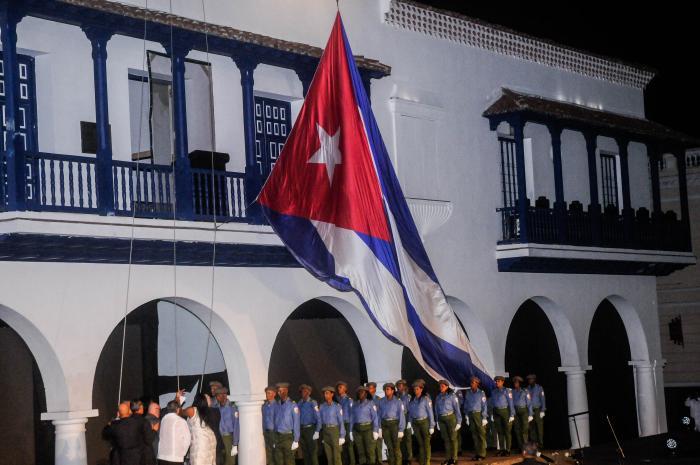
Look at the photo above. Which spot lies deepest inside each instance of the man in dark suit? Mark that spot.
(530, 454)
(128, 435)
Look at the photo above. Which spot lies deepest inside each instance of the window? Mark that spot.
(25, 118)
(272, 127)
(509, 180)
(608, 167)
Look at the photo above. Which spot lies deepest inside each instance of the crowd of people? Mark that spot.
(351, 431)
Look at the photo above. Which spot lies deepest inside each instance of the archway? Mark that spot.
(533, 346)
(317, 345)
(610, 383)
(166, 345)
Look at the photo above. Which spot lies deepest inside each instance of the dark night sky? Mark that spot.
(667, 39)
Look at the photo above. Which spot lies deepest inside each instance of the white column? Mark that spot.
(646, 397)
(251, 447)
(579, 427)
(70, 446)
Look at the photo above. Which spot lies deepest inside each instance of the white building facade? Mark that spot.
(530, 170)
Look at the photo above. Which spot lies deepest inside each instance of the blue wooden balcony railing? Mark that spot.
(68, 183)
(645, 232)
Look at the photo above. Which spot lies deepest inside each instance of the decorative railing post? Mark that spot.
(178, 50)
(594, 207)
(103, 164)
(16, 185)
(518, 124)
(654, 156)
(559, 203)
(679, 153)
(253, 177)
(627, 211)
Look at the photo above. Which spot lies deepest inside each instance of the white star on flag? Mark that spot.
(329, 152)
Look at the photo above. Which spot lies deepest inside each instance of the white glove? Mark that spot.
(351, 437)
(295, 445)
(380, 433)
(315, 436)
(467, 420)
(530, 418)
(541, 414)
(408, 425)
(431, 431)
(234, 451)
(400, 434)
(511, 419)
(341, 441)
(437, 426)
(492, 420)
(458, 426)
(375, 436)
(484, 422)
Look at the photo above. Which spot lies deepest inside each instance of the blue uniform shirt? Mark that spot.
(475, 401)
(365, 412)
(346, 404)
(521, 399)
(308, 413)
(421, 407)
(537, 397)
(392, 410)
(447, 403)
(229, 422)
(287, 418)
(268, 414)
(332, 414)
(502, 398)
(405, 400)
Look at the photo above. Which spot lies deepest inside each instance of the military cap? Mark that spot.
(531, 376)
(389, 385)
(221, 390)
(341, 383)
(305, 386)
(445, 382)
(518, 379)
(270, 388)
(499, 377)
(371, 384)
(361, 388)
(474, 378)
(419, 383)
(215, 383)
(282, 385)
(401, 381)
(328, 388)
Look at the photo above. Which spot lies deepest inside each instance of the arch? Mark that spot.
(639, 347)
(57, 399)
(564, 332)
(476, 332)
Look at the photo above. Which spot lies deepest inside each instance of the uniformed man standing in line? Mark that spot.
(345, 401)
(476, 412)
(333, 429)
(420, 415)
(407, 441)
(538, 409)
(229, 426)
(449, 418)
(365, 428)
(503, 412)
(523, 413)
(310, 420)
(287, 426)
(393, 421)
(372, 396)
(268, 419)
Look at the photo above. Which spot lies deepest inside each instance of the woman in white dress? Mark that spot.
(203, 446)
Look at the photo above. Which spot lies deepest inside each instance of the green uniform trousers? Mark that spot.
(378, 446)
(390, 433)
(478, 433)
(309, 446)
(421, 429)
(330, 435)
(228, 445)
(269, 437)
(503, 427)
(537, 428)
(348, 453)
(284, 455)
(365, 444)
(521, 428)
(449, 435)
(407, 444)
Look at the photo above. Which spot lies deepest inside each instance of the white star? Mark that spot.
(329, 152)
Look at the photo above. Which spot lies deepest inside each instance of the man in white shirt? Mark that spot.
(694, 404)
(174, 436)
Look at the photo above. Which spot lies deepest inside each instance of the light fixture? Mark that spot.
(671, 446)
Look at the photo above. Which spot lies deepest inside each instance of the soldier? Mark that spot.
(229, 426)
(333, 430)
(269, 423)
(213, 386)
(365, 428)
(523, 413)
(449, 419)
(372, 396)
(538, 409)
(393, 422)
(345, 401)
(310, 420)
(407, 441)
(420, 415)
(286, 419)
(503, 413)
(476, 413)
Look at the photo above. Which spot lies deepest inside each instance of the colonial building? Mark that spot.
(137, 135)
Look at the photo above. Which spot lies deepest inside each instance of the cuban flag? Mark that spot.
(334, 200)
